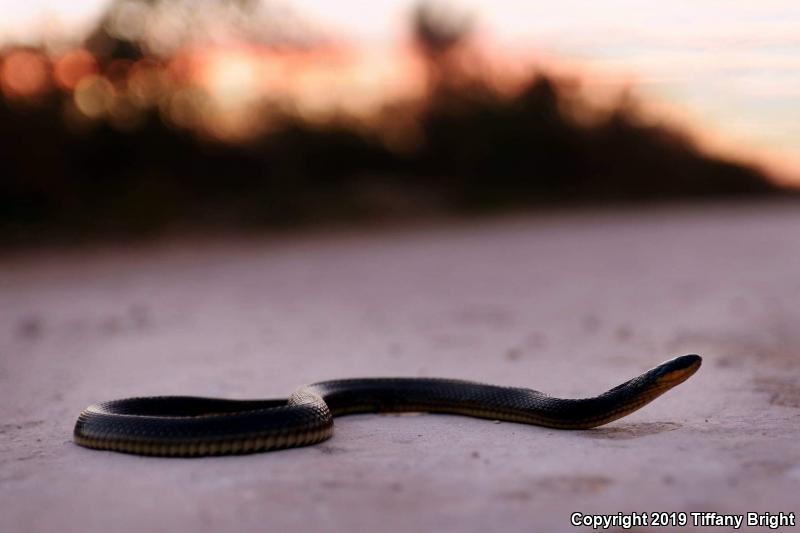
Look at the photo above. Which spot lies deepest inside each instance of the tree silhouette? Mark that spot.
(440, 34)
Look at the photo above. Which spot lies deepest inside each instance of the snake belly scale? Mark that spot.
(192, 426)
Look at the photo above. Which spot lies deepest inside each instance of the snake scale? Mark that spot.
(191, 426)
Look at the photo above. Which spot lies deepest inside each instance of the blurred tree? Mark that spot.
(130, 28)
(440, 33)
(476, 147)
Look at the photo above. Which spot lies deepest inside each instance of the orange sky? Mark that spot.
(730, 67)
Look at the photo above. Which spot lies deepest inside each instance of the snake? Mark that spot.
(189, 426)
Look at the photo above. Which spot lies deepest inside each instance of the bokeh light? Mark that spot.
(72, 67)
(24, 74)
(146, 83)
(94, 96)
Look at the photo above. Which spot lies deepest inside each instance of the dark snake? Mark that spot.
(192, 426)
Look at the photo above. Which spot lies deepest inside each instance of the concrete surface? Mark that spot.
(570, 303)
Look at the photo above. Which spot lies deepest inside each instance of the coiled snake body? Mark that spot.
(192, 426)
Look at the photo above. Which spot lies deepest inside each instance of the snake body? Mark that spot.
(193, 426)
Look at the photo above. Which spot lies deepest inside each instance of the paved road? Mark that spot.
(569, 303)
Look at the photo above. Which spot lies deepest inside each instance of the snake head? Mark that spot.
(677, 370)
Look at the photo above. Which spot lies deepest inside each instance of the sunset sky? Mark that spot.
(730, 67)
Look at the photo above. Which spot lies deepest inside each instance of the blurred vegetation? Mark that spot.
(70, 171)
